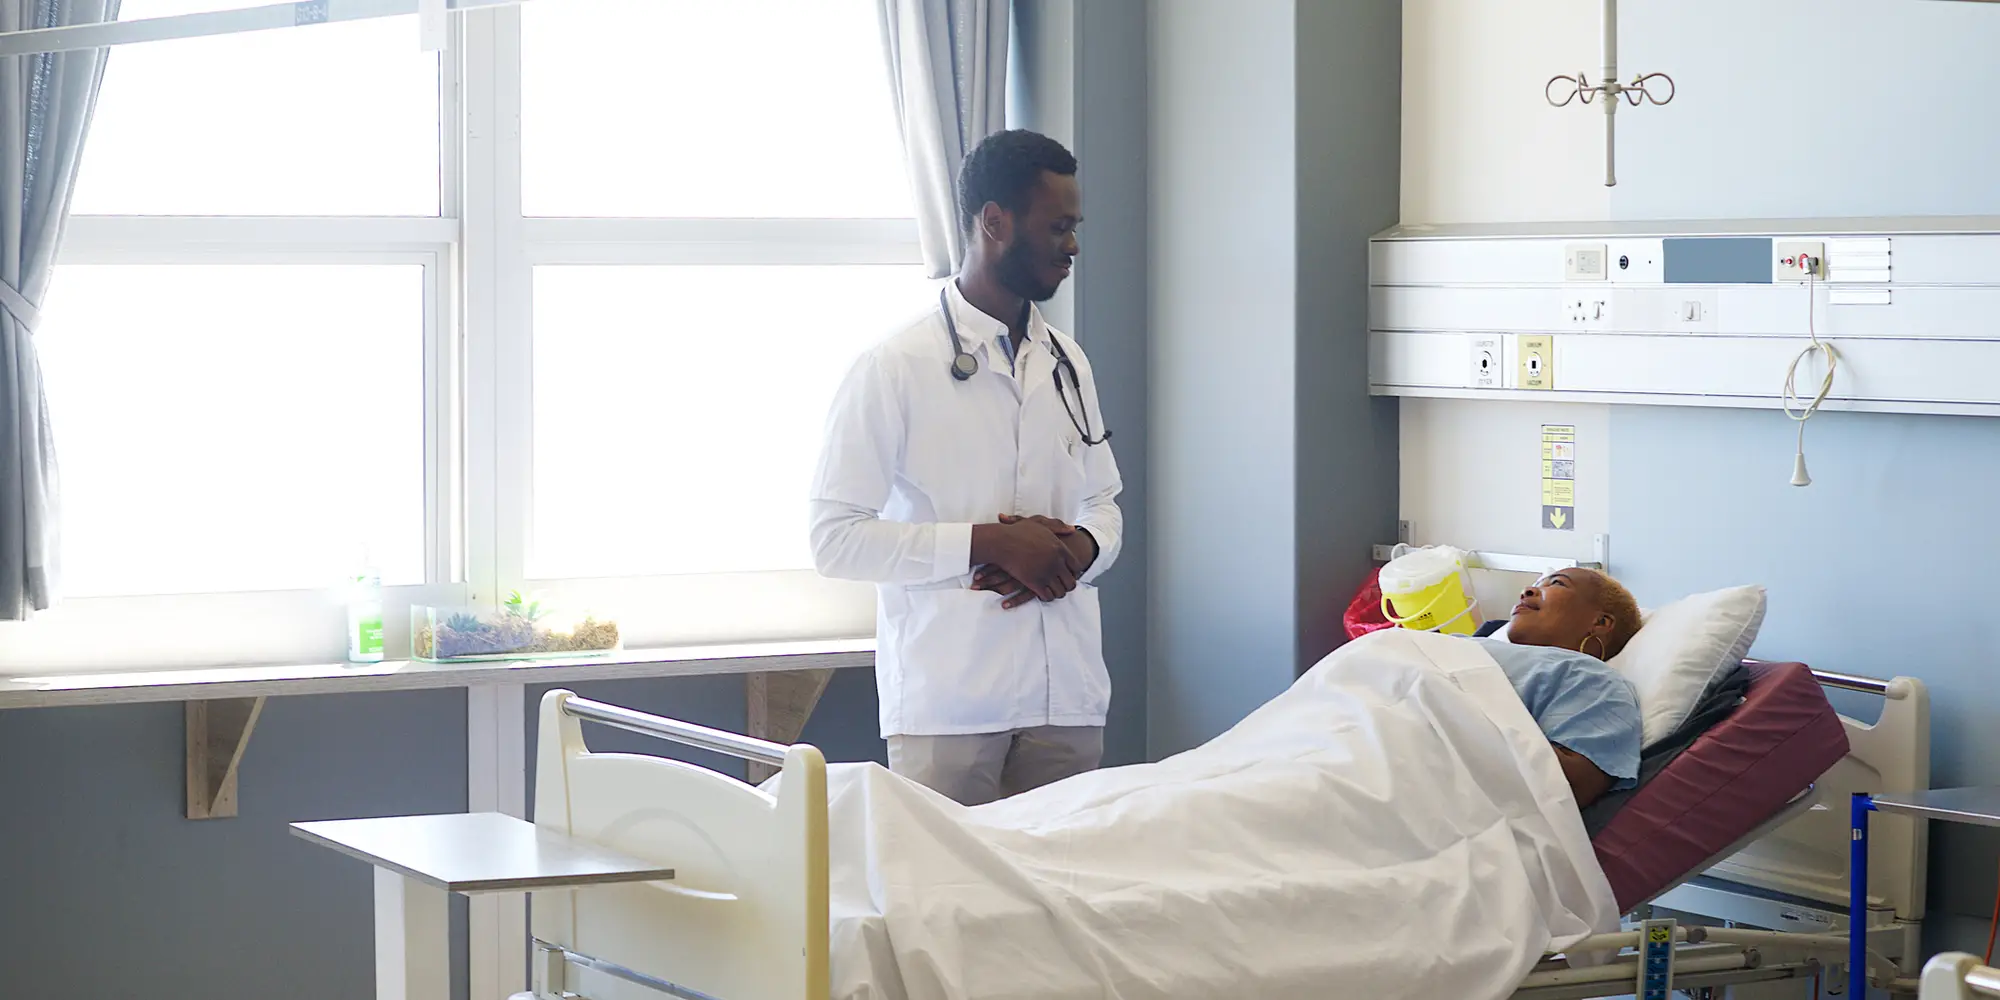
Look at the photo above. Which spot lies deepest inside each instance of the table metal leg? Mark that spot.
(1857, 899)
(412, 939)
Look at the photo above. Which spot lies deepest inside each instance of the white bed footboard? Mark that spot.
(746, 914)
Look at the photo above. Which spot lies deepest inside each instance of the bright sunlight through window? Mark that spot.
(698, 109)
(235, 427)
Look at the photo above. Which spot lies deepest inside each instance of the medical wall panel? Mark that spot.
(1709, 314)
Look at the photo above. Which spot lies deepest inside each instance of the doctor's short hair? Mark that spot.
(1624, 611)
(1004, 168)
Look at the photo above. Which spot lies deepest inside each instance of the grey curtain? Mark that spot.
(948, 75)
(45, 106)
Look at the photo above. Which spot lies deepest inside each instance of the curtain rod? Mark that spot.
(78, 37)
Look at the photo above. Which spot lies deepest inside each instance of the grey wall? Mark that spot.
(1350, 67)
(1079, 76)
(1274, 155)
(1223, 228)
(1897, 124)
(107, 891)
(1111, 307)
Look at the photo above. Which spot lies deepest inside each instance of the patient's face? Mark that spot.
(1559, 610)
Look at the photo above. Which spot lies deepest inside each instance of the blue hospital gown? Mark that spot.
(1579, 702)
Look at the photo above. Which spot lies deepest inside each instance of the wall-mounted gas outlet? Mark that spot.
(1538, 362)
(1584, 262)
(1795, 262)
(1486, 358)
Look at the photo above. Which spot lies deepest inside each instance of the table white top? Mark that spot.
(1976, 806)
(478, 852)
(195, 684)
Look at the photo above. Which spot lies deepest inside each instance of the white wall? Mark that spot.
(1479, 142)
(1471, 477)
(1786, 108)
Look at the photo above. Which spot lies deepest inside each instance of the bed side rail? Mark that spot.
(1956, 975)
(675, 731)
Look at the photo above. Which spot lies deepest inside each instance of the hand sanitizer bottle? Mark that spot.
(364, 616)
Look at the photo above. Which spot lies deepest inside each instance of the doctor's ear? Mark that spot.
(994, 222)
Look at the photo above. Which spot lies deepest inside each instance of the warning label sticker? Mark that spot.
(1559, 477)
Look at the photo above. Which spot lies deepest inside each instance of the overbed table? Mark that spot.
(420, 860)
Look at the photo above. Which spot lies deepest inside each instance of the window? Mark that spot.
(268, 418)
(697, 188)
(699, 109)
(337, 119)
(316, 301)
(248, 347)
(707, 409)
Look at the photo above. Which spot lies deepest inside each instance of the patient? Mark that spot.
(1562, 632)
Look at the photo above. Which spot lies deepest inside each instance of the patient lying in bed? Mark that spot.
(1562, 632)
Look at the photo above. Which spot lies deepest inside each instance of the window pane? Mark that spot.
(678, 410)
(228, 428)
(332, 119)
(705, 109)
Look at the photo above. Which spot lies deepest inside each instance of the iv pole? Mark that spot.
(1610, 89)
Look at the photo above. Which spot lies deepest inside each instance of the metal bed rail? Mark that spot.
(675, 731)
(1955, 975)
(1852, 682)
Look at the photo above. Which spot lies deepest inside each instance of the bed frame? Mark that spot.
(1790, 875)
(1956, 975)
(746, 915)
(1774, 906)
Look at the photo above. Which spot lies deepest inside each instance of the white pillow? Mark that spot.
(1682, 647)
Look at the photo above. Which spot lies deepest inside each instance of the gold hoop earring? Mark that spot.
(1601, 648)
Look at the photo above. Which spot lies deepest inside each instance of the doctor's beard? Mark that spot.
(1020, 275)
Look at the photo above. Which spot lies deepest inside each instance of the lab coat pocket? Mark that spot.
(961, 657)
(1079, 684)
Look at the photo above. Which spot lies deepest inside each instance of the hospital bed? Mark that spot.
(1957, 976)
(1737, 814)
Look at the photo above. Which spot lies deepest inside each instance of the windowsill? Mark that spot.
(129, 687)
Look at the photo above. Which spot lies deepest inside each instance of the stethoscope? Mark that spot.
(964, 366)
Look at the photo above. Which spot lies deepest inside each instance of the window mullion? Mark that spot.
(486, 122)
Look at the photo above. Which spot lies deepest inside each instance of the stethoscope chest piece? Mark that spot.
(964, 366)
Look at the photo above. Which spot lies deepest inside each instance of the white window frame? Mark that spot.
(91, 634)
(478, 255)
(665, 609)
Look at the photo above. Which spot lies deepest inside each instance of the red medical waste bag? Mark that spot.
(1364, 613)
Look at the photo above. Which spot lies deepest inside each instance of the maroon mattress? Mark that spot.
(1732, 779)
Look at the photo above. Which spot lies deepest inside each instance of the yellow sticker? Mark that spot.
(1537, 362)
(1559, 477)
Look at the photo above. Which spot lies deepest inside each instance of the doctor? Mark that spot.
(972, 440)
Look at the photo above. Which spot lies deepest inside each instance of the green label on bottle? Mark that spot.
(370, 636)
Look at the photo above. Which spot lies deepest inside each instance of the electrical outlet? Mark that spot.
(1793, 262)
(1584, 262)
(1486, 358)
(1587, 310)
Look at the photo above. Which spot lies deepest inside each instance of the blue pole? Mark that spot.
(1857, 899)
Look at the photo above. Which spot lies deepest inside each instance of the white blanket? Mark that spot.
(1394, 825)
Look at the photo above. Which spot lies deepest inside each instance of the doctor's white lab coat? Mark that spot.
(912, 459)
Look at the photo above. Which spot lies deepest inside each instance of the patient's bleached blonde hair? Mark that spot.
(1624, 611)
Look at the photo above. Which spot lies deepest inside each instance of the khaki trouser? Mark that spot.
(982, 767)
